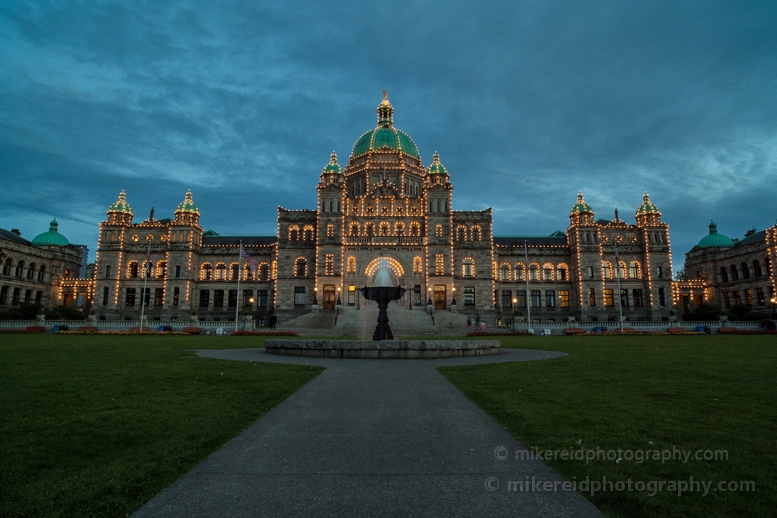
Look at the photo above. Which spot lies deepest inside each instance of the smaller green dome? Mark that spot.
(581, 206)
(713, 239)
(333, 167)
(436, 167)
(121, 205)
(52, 237)
(647, 207)
(187, 205)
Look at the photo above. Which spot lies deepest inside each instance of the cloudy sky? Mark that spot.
(526, 102)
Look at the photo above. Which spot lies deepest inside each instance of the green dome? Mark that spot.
(51, 238)
(187, 205)
(121, 205)
(581, 206)
(714, 239)
(647, 207)
(385, 136)
(436, 167)
(333, 167)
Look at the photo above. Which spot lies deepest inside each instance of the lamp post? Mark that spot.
(515, 301)
(315, 295)
(774, 308)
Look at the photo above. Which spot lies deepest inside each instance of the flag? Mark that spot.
(250, 260)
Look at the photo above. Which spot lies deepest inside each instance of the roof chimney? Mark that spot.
(16, 231)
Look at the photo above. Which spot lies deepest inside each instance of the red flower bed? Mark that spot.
(29, 329)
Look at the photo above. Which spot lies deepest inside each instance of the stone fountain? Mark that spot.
(383, 291)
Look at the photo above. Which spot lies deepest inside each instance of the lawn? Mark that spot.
(649, 394)
(97, 425)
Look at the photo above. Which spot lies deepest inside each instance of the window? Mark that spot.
(221, 272)
(299, 296)
(734, 273)
(520, 297)
(661, 297)
(439, 262)
(468, 267)
(507, 299)
(7, 266)
(622, 271)
(206, 272)
(247, 296)
(608, 298)
(177, 271)
(757, 269)
(176, 294)
(625, 298)
(385, 229)
(301, 267)
(158, 296)
(535, 298)
(469, 296)
(106, 294)
(606, 271)
(518, 272)
(352, 265)
(749, 297)
(591, 272)
(533, 272)
(475, 233)
(414, 229)
(31, 271)
(438, 230)
(264, 272)
(723, 274)
(38, 297)
(15, 296)
(204, 298)
(550, 299)
(504, 272)
(745, 271)
(232, 298)
(369, 229)
(737, 298)
(262, 302)
(133, 269)
(293, 233)
(637, 296)
(218, 299)
(759, 294)
(354, 229)
(42, 273)
(727, 299)
(28, 297)
(417, 265)
(308, 233)
(562, 272)
(563, 298)
(108, 271)
(461, 233)
(3, 294)
(399, 229)
(547, 273)
(592, 297)
(20, 270)
(329, 264)
(130, 298)
(234, 269)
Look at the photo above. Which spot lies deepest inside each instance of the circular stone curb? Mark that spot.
(388, 349)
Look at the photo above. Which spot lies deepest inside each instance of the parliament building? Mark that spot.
(385, 207)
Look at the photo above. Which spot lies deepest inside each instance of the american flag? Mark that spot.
(250, 260)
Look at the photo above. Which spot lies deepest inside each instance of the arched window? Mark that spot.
(399, 229)
(385, 229)
(20, 269)
(519, 271)
(745, 270)
(161, 269)
(635, 272)
(723, 274)
(8, 266)
(233, 270)
(221, 272)
(504, 272)
(132, 269)
(293, 233)
(415, 229)
(42, 273)
(468, 267)
(547, 272)
(606, 270)
(417, 265)
(206, 272)
(351, 264)
(369, 229)
(534, 270)
(31, 271)
(734, 273)
(757, 268)
(148, 269)
(264, 272)
(300, 267)
(354, 229)
(308, 231)
(621, 269)
(248, 273)
(562, 272)
(461, 233)
(475, 233)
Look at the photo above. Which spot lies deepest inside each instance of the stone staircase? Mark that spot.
(360, 323)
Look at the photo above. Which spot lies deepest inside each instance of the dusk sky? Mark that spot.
(526, 102)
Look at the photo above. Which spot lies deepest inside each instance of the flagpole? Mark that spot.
(145, 280)
(239, 274)
(618, 276)
(528, 293)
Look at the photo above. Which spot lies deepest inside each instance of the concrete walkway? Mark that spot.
(370, 438)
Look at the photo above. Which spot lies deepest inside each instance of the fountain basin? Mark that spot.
(383, 349)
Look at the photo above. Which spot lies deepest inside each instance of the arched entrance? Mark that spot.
(394, 266)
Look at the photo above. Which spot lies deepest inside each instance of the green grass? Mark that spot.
(97, 425)
(647, 393)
